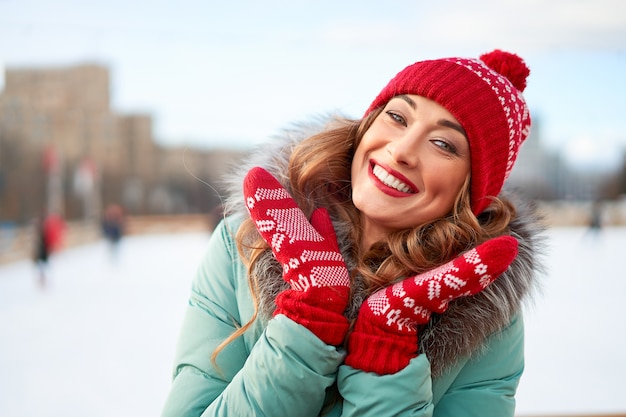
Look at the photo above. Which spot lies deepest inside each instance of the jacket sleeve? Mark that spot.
(405, 393)
(285, 372)
(484, 386)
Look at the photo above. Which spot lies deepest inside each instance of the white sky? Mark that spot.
(233, 73)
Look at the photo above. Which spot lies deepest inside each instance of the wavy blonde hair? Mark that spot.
(319, 176)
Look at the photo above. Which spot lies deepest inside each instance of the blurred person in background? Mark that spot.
(595, 218)
(113, 227)
(50, 231)
(373, 266)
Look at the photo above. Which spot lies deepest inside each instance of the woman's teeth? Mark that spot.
(389, 180)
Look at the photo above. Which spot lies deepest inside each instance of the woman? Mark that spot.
(372, 268)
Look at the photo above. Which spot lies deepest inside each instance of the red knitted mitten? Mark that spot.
(385, 333)
(309, 254)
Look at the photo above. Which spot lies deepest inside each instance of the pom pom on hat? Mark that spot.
(485, 96)
(509, 65)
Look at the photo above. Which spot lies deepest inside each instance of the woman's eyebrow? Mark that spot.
(450, 124)
(408, 100)
(443, 122)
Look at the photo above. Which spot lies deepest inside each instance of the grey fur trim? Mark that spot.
(462, 330)
(272, 155)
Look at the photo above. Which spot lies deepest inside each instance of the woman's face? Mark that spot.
(409, 166)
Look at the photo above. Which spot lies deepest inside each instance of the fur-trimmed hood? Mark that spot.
(463, 328)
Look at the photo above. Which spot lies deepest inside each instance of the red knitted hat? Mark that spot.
(485, 96)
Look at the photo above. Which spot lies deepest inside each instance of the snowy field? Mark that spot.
(99, 338)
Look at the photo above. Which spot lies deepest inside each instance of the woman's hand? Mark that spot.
(385, 333)
(309, 254)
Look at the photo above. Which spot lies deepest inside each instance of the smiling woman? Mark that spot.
(374, 259)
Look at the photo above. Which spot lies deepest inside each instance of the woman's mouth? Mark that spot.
(391, 180)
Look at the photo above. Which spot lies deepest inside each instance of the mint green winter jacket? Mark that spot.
(279, 368)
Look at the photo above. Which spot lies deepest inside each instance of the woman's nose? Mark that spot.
(404, 150)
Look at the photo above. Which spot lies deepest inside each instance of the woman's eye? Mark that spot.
(396, 117)
(446, 146)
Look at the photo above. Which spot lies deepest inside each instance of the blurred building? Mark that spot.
(57, 127)
(540, 174)
(536, 172)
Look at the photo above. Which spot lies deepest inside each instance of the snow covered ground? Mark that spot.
(99, 338)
